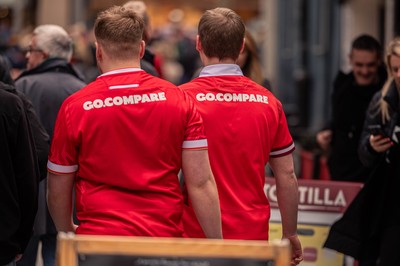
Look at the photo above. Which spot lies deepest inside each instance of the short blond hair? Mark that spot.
(119, 30)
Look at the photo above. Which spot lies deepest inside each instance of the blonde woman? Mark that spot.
(382, 149)
(370, 228)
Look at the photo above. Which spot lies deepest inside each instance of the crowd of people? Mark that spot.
(98, 137)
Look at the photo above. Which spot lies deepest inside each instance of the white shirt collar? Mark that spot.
(221, 70)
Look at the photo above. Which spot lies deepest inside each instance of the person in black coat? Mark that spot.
(41, 140)
(370, 227)
(351, 95)
(19, 176)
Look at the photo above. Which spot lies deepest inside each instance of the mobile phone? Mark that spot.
(376, 130)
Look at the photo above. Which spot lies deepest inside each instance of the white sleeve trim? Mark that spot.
(64, 169)
(283, 151)
(195, 144)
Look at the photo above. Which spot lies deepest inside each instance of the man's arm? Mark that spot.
(287, 192)
(202, 191)
(59, 200)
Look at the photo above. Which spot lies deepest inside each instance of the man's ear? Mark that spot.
(45, 55)
(243, 45)
(142, 49)
(350, 56)
(198, 44)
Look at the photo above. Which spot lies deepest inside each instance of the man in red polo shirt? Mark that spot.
(246, 129)
(121, 142)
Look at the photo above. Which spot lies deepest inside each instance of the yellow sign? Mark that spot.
(312, 238)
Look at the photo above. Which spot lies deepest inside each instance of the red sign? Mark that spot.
(318, 195)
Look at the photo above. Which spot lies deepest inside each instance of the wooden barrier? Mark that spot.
(150, 251)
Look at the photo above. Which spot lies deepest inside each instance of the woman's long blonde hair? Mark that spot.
(393, 49)
(252, 65)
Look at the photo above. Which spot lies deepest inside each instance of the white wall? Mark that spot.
(358, 17)
(53, 12)
(269, 11)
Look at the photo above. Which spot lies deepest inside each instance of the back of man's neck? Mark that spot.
(215, 60)
(118, 65)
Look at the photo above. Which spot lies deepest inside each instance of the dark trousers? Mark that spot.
(48, 250)
(11, 263)
(389, 251)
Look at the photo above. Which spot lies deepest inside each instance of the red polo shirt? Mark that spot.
(245, 126)
(123, 135)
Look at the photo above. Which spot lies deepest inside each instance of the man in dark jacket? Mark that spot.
(19, 178)
(49, 77)
(47, 82)
(351, 95)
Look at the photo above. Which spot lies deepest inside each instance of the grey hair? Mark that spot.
(140, 8)
(54, 41)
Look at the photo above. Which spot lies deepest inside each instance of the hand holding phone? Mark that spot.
(379, 144)
(376, 130)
